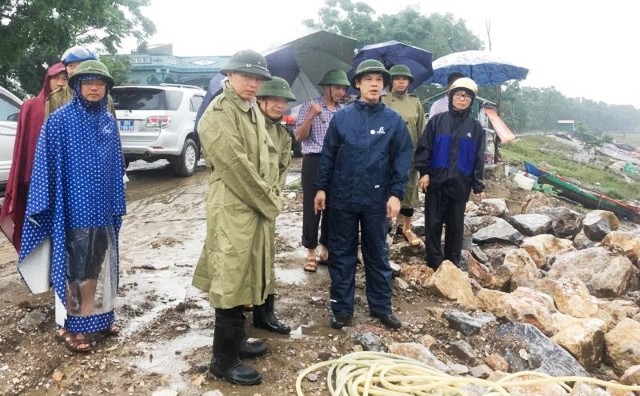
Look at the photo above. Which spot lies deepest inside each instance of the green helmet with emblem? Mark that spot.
(94, 68)
(370, 66)
(277, 87)
(248, 61)
(401, 70)
(335, 77)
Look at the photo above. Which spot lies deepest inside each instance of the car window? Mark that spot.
(145, 99)
(196, 101)
(8, 109)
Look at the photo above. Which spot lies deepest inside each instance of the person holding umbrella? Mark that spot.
(450, 159)
(410, 108)
(243, 201)
(362, 178)
(311, 126)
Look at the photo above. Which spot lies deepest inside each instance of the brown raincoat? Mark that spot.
(236, 265)
(412, 112)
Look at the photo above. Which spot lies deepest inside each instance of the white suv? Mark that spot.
(157, 122)
(9, 110)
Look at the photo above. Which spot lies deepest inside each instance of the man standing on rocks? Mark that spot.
(364, 169)
(450, 159)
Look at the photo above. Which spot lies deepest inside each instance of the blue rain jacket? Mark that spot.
(365, 157)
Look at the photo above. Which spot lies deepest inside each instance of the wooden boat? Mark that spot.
(584, 197)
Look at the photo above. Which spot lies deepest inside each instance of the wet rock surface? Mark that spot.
(489, 319)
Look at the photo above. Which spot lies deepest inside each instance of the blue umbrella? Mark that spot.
(302, 62)
(392, 53)
(484, 67)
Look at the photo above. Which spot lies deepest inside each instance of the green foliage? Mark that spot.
(441, 34)
(119, 67)
(35, 33)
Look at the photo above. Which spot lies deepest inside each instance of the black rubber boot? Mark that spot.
(252, 349)
(228, 338)
(264, 317)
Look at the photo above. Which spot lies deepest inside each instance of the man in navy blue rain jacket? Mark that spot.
(450, 159)
(363, 170)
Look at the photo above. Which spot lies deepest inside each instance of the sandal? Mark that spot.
(310, 265)
(324, 260)
(112, 331)
(73, 342)
(411, 238)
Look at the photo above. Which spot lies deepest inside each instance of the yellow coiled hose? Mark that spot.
(385, 374)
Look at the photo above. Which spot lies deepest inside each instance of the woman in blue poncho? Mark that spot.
(76, 201)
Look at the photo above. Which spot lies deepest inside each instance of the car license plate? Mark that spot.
(126, 125)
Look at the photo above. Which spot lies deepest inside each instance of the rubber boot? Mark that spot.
(264, 317)
(228, 337)
(252, 349)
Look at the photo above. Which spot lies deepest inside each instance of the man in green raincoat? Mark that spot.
(273, 99)
(235, 266)
(412, 112)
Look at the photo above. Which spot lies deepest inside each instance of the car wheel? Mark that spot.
(185, 164)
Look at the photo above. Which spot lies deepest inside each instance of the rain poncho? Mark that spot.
(27, 132)
(76, 200)
(235, 266)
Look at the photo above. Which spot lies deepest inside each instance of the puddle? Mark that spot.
(162, 358)
(291, 276)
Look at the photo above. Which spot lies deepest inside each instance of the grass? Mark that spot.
(557, 157)
(625, 137)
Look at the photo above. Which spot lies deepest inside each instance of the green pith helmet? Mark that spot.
(92, 67)
(248, 61)
(277, 87)
(335, 77)
(401, 70)
(371, 66)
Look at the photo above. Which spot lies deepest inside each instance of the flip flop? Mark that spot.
(323, 261)
(74, 342)
(112, 331)
(411, 238)
(310, 265)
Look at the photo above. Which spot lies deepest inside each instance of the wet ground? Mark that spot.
(167, 330)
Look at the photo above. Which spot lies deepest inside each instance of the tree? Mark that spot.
(35, 33)
(119, 67)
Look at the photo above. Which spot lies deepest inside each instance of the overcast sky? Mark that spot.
(583, 49)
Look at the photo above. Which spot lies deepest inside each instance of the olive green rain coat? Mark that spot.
(412, 112)
(236, 265)
(282, 141)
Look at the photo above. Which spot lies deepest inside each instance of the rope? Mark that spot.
(385, 374)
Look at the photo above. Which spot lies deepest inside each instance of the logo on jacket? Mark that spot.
(469, 135)
(380, 131)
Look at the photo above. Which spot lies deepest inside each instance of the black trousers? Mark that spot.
(441, 209)
(343, 258)
(310, 221)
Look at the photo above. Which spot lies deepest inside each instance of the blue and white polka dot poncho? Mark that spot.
(77, 182)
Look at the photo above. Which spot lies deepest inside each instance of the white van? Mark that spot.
(9, 111)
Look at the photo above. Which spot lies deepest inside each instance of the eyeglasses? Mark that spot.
(94, 83)
(462, 95)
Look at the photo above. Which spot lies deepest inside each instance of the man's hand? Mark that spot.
(319, 201)
(314, 109)
(393, 207)
(423, 183)
(481, 195)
